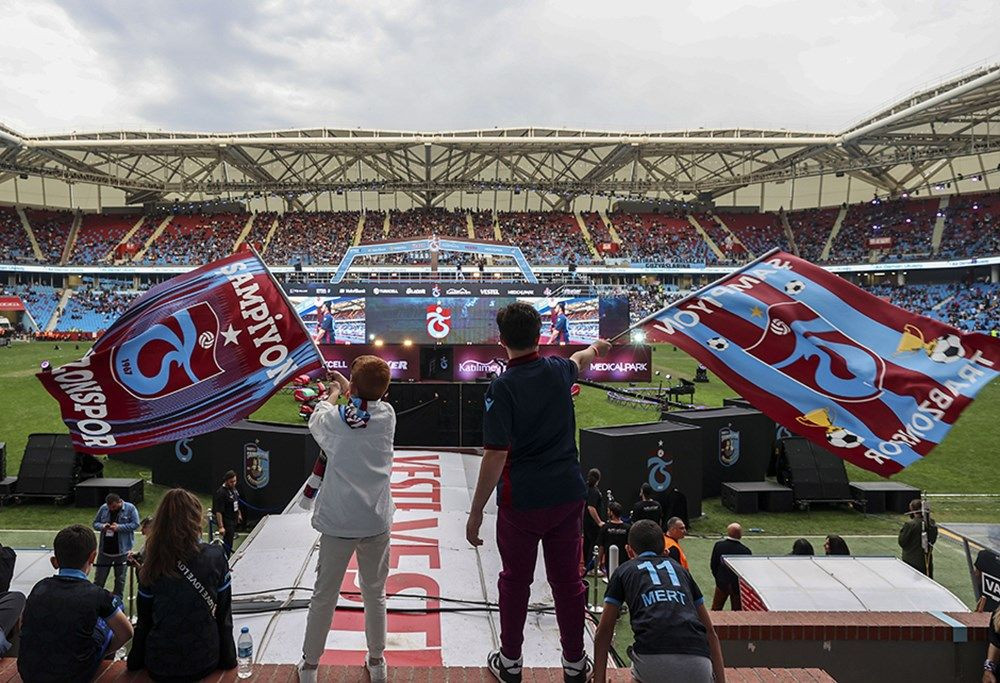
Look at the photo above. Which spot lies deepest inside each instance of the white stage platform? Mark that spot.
(838, 584)
(430, 558)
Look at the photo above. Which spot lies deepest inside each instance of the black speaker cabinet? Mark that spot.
(51, 467)
(438, 415)
(813, 473)
(667, 455)
(426, 414)
(93, 492)
(735, 443)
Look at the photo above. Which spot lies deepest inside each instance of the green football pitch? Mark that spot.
(961, 470)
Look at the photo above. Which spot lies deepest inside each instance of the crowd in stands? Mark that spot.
(970, 307)
(98, 236)
(196, 239)
(660, 239)
(13, 239)
(971, 226)
(95, 305)
(416, 223)
(907, 223)
(811, 229)
(482, 223)
(758, 232)
(599, 232)
(40, 300)
(312, 237)
(320, 238)
(51, 230)
(546, 237)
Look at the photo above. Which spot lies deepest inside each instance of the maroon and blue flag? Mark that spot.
(875, 384)
(192, 355)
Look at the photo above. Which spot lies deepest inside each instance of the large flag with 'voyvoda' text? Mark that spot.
(192, 355)
(875, 384)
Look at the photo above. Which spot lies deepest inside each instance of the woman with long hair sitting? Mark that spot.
(184, 603)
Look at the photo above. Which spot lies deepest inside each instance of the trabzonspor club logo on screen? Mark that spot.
(438, 321)
(169, 356)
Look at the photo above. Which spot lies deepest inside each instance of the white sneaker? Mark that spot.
(306, 675)
(379, 672)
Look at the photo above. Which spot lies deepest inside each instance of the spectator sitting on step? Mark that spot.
(727, 585)
(613, 533)
(116, 522)
(69, 623)
(835, 545)
(184, 604)
(802, 546)
(676, 530)
(646, 507)
(674, 638)
(11, 602)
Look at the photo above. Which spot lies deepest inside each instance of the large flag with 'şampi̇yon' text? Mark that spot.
(875, 384)
(193, 354)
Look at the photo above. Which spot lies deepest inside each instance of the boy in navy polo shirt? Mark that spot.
(69, 623)
(530, 457)
(674, 638)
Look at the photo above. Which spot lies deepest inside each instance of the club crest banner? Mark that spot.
(190, 356)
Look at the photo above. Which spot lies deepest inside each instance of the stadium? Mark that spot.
(406, 243)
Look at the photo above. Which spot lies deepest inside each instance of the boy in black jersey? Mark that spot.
(69, 623)
(674, 638)
(613, 533)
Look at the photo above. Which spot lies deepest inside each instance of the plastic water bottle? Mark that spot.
(244, 654)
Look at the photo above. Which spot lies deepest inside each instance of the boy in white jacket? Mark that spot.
(353, 506)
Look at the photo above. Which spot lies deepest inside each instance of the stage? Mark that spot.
(431, 559)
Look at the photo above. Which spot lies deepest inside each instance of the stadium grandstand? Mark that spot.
(906, 200)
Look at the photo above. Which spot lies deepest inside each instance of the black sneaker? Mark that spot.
(578, 672)
(504, 674)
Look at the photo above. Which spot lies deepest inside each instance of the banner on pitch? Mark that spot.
(193, 354)
(875, 384)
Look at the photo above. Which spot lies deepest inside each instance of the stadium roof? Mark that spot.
(895, 150)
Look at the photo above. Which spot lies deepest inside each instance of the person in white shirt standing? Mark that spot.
(353, 507)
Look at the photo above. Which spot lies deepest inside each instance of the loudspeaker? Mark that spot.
(51, 467)
(426, 414)
(813, 473)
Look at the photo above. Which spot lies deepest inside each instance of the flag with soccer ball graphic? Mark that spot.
(875, 384)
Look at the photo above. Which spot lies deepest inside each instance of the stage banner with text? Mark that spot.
(875, 384)
(476, 362)
(193, 354)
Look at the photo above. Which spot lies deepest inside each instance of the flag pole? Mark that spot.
(694, 294)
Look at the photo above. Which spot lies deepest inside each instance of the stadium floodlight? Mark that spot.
(638, 336)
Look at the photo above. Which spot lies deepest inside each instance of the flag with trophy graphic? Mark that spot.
(193, 354)
(875, 384)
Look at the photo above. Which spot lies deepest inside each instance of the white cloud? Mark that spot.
(86, 64)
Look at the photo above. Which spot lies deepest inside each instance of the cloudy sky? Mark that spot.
(438, 65)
